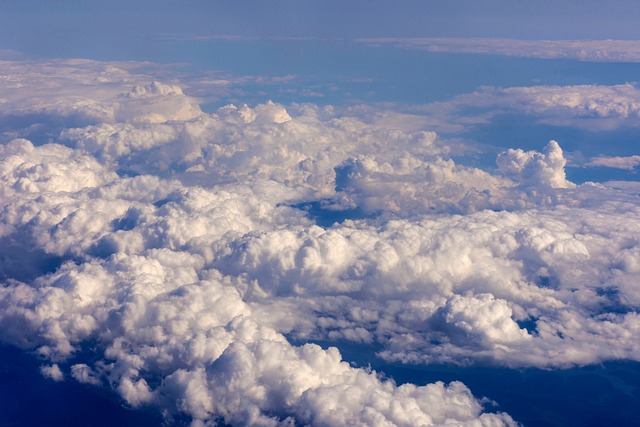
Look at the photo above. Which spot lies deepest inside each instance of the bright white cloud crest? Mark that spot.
(174, 242)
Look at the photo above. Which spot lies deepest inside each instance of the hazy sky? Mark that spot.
(25, 25)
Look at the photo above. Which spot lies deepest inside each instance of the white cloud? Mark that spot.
(591, 107)
(411, 285)
(485, 318)
(82, 373)
(626, 163)
(64, 87)
(159, 311)
(186, 278)
(53, 372)
(600, 107)
(536, 169)
(155, 103)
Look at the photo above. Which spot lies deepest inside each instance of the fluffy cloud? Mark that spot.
(536, 169)
(591, 107)
(78, 89)
(247, 144)
(155, 103)
(175, 245)
(137, 286)
(457, 289)
(52, 372)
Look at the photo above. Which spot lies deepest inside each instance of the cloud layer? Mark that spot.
(583, 50)
(172, 255)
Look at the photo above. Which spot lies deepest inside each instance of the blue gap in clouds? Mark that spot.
(602, 395)
(325, 217)
(525, 132)
(29, 399)
(21, 259)
(589, 396)
(394, 74)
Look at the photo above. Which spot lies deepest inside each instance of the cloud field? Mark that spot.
(174, 255)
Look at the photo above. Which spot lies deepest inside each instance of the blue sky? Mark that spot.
(28, 23)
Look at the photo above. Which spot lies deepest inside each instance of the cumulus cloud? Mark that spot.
(63, 88)
(53, 372)
(600, 107)
(175, 244)
(155, 103)
(82, 373)
(594, 108)
(418, 289)
(536, 169)
(240, 143)
(157, 312)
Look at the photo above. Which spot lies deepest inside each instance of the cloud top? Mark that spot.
(536, 169)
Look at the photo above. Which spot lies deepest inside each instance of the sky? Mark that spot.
(76, 22)
(319, 213)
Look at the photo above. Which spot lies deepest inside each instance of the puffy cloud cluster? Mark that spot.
(166, 253)
(536, 169)
(136, 282)
(155, 103)
(533, 288)
(616, 103)
(243, 143)
(63, 89)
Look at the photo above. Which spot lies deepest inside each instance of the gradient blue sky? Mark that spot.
(27, 24)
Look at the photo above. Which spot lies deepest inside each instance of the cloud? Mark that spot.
(583, 50)
(605, 50)
(63, 87)
(155, 103)
(456, 288)
(82, 373)
(155, 311)
(177, 247)
(53, 372)
(600, 103)
(244, 143)
(536, 169)
(591, 107)
(626, 163)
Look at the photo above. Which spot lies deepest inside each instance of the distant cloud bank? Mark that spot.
(583, 50)
(626, 163)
